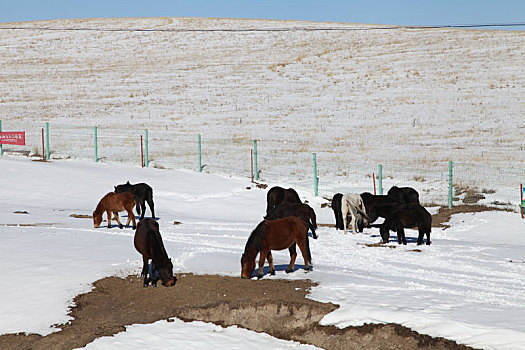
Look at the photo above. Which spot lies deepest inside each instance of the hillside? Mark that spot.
(358, 95)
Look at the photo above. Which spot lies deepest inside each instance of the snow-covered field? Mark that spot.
(358, 96)
(468, 286)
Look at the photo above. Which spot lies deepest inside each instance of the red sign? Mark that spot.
(13, 138)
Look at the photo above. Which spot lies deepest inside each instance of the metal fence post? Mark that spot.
(255, 160)
(450, 184)
(380, 179)
(200, 155)
(96, 144)
(47, 141)
(146, 158)
(316, 179)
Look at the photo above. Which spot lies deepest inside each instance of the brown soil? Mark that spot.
(276, 307)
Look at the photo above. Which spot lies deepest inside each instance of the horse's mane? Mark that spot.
(159, 247)
(99, 207)
(255, 239)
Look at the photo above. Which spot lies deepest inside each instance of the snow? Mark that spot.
(468, 286)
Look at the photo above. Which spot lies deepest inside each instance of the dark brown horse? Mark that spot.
(275, 235)
(277, 195)
(148, 242)
(301, 210)
(407, 216)
(114, 203)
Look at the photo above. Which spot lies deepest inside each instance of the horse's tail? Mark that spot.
(312, 227)
(137, 206)
(309, 255)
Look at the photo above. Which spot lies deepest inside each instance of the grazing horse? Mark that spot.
(148, 242)
(275, 235)
(403, 195)
(277, 195)
(377, 205)
(143, 193)
(336, 207)
(351, 203)
(300, 210)
(407, 216)
(113, 203)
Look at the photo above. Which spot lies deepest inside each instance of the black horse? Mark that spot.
(277, 195)
(336, 207)
(143, 193)
(407, 216)
(300, 210)
(403, 195)
(377, 205)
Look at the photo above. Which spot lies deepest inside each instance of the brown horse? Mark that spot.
(113, 203)
(148, 242)
(277, 235)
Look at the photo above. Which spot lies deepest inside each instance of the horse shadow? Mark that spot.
(284, 267)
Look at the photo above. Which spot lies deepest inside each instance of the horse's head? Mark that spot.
(247, 266)
(166, 275)
(97, 220)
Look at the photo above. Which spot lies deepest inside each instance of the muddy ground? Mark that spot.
(277, 307)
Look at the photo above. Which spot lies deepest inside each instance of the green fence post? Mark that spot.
(1, 146)
(316, 179)
(47, 141)
(200, 155)
(255, 160)
(96, 145)
(380, 179)
(450, 184)
(146, 159)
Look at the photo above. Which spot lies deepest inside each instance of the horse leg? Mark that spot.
(304, 252)
(269, 257)
(109, 218)
(293, 255)
(151, 207)
(401, 235)
(428, 236)
(145, 271)
(262, 258)
(344, 213)
(354, 219)
(153, 276)
(117, 218)
(131, 217)
(384, 231)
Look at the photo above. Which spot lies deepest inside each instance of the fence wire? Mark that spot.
(279, 162)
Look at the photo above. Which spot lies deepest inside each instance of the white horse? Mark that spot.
(351, 203)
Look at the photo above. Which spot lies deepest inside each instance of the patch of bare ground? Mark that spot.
(444, 213)
(276, 307)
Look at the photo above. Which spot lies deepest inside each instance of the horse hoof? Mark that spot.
(146, 285)
(272, 273)
(259, 277)
(120, 227)
(288, 271)
(134, 227)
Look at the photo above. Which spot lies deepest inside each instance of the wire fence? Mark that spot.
(277, 162)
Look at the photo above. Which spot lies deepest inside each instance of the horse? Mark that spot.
(275, 235)
(114, 203)
(277, 195)
(377, 205)
(351, 203)
(403, 195)
(300, 210)
(143, 193)
(407, 216)
(148, 242)
(336, 207)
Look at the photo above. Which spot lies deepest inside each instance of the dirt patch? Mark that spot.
(443, 215)
(81, 216)
(276, 307)
(382, 245)
(20, 212)
(35, 224)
